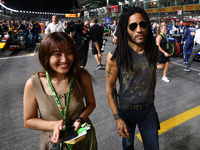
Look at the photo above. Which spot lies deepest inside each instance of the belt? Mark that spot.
(141, 106)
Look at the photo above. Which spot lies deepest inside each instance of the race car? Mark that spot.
(11, 41)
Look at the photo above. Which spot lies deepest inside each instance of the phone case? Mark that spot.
(67, 134)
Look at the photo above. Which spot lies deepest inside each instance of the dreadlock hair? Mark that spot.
(122, 51)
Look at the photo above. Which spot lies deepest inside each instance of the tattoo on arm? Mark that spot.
(114, 96)
(120, 126)
(109, 73)
(116, 116)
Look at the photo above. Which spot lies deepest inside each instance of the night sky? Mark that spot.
(60, 6)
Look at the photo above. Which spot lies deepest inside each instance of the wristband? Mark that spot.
(80, 119)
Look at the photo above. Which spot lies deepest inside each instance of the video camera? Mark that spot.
(103, 45)
(75, 26)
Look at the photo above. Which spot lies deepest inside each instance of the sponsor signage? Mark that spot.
(191, 7)
(170, 9)
(72, 15)
(151, 11)
(177, 9)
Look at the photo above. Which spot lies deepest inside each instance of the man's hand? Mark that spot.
(100, 56)
(121, 128)
(182, 42)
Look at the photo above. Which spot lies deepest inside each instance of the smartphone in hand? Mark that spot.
(67, 134)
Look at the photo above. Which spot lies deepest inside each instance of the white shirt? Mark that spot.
(197, 36)
(54, 28)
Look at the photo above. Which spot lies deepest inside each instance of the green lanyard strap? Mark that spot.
(166, 39)
(164, 36)
(56, 97)
(64, 113)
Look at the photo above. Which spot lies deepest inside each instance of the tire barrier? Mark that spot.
(174, 48)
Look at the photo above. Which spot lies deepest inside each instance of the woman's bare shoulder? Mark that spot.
(85, 75)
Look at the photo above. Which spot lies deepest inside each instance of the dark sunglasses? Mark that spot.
(134, 25)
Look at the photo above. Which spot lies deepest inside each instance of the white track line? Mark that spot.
(17, 56)
(184, 66)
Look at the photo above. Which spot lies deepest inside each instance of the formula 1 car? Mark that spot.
(12, 41)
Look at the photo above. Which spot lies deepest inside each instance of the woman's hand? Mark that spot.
(56, 127)
(166, 54)
(77, 124)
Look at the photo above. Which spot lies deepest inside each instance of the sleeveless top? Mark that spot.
(163, 44)
(136, 87)
(49, 111)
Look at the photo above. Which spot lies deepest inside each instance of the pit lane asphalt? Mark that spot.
(176, 97)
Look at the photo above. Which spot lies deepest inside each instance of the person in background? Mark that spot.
(188, 34)
(163, 45)
(32, 31)
(37, 30)
(133, 61)
(96, 34)
(65, 25)
(42, 25)
(181, 28)
(82, 37)
(154, 30)
(195, 50)
(54, 26)
(60, 87)
(23, 27)
(114, 29)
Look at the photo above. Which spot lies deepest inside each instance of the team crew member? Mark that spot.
(195, 50)
(181, 28)
(54, 26)
(133, 62)
(96, 33)
(42, 25)
(188, 46)
(154, 29)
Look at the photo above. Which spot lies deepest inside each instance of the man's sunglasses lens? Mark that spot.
(133, 26)
(143, 24)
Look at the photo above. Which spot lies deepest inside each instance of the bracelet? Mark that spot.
(116, 116)
(80, 119)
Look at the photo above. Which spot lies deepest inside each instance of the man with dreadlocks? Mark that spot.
(133, 61)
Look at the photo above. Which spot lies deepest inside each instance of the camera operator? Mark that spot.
(82, 37)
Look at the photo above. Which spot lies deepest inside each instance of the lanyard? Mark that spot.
(167, 46)
(165, 36)
(56, 97)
